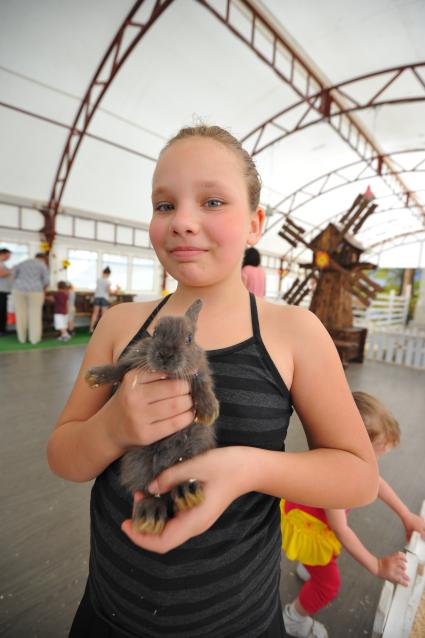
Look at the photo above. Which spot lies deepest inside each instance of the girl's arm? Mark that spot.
(391, 567)
(95, 429)
(412, 522)
(340, 470)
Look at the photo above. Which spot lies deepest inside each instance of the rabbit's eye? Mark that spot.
(154, 333)
(189, 338)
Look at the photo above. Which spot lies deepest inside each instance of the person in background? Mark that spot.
(253, 274)
(5, 285)
(101, 297)
(60, 316)
(71, 308)
(314, 536)
(30, 280)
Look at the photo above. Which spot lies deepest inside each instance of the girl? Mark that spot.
(314, 536)
(101, 297)
(253, 274)
(214, 570)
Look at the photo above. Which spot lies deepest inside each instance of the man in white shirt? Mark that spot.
(30, 280)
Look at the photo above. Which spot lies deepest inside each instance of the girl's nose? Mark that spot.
(185, 220)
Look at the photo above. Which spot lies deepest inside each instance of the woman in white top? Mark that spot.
(101, 297)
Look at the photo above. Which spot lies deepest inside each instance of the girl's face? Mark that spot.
(201, 219)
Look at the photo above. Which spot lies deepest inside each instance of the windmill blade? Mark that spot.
(282, 234)
(363, 287)
(299, 290)
(294, 225)
(352, 218)
(352, 207)
(291, 232)
(363, 218)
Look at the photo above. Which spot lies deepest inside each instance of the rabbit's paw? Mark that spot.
(92, 378)
(150, 515)
(206, 412)
(187, 495)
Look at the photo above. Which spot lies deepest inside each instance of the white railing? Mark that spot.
(385, 310)
(399, 346)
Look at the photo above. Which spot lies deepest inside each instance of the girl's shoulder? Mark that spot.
(292, 332)
(287, 319)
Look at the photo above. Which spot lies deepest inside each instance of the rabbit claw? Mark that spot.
(92, 379)
(187, 495)
(150, 515)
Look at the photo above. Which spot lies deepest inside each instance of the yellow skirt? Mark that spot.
(307, 539)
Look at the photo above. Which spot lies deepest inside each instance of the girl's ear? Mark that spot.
(256, 226)
(193, 311)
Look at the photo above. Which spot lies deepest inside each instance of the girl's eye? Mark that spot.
(163, 207)
(213, 203)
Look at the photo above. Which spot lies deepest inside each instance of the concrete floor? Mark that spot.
(45, 525)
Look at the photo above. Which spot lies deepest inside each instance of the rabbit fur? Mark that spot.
(172, 350)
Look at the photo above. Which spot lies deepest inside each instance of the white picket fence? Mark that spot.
(388, 339)
(387, 309)
(399, 346)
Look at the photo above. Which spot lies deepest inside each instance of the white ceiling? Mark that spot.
(189, 66)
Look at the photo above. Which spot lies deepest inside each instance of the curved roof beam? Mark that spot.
(323, 106)
(127, 37)
(253, 27)
(378, 244)
(320, 184)
(98, 138)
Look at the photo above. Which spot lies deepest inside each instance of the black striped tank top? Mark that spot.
(225, 582)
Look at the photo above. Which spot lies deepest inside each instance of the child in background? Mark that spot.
(214, 570)
(60, 316)
(314, 536)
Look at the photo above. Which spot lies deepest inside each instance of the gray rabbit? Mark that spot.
(171, 349)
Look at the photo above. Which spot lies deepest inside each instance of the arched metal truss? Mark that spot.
(253, 27)
(127, 37)
(323, 105)
(98, 138)
(388, 240)
(269, 45)
(346, 175)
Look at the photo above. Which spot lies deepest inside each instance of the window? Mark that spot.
(142, 274)
(272, 283)
(82, 272)
(19, 252)
(118, 265)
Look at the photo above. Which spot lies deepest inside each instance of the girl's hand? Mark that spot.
(225, 474)
(151, 407)
(393, 568)
(414, 523)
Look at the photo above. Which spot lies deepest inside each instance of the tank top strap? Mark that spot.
(153, 314)
(146, 324)
(254, 317)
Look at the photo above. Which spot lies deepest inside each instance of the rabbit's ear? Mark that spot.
(193, 311)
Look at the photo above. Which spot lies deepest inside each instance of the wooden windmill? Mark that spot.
(337, 274)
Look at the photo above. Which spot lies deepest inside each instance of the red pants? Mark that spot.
(322, 587)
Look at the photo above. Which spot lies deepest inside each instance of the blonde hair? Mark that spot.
(378, 420)
(224, 137)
